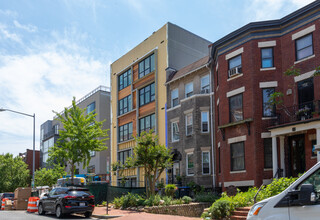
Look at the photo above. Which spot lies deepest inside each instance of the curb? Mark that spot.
(106, 216)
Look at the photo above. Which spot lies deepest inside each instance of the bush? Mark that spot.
(206, 197)
(221, 209)
(177, 202)
(153, 200)
(195, 188)
(129, 200)
(186, 199)
(117, 202)
(167, 200)
(170, 189)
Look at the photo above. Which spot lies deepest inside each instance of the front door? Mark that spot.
(297, 155)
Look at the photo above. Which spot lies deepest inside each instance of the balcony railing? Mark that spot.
(296, 113)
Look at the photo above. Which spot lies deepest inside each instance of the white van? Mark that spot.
(301, 200)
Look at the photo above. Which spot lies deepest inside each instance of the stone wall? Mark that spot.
(189, 210)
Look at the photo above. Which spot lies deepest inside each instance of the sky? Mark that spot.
(52, 51)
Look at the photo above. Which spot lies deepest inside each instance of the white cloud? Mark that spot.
(9, 13)
(6, 34)
(29, 27)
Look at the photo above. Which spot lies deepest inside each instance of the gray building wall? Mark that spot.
(198, 141)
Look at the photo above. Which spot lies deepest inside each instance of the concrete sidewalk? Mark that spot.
(100, 212)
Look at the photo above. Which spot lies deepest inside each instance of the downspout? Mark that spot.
(208, 66)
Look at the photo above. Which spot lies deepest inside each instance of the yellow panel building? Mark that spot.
(138, 94)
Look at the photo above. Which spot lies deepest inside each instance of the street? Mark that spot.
(6, 215)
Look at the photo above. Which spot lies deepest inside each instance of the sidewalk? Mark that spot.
(100, 212)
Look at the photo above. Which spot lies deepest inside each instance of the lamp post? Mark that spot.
(33, 153)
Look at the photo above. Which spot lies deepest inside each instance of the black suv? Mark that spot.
(67, 200)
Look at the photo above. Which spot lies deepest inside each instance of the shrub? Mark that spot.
(129, 200)
(221, 209)
(186, 199)
(177, 202)
(167, 200)
(170, 189)
(117, 202)
(104, 203)
(195, 188)
(153, 200)
(206, 197)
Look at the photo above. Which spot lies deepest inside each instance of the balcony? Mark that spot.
(307, 111)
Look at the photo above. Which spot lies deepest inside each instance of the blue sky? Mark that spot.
(53, 50)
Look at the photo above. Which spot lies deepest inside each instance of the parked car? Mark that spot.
(8, 195)
(67, 200)
(301, 200)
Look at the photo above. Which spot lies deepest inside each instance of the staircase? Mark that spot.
(240, 213)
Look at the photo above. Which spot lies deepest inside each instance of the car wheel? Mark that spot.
(59, 211)
(88, 214)
(40, 209)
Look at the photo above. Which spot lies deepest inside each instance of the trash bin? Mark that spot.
(183, 191)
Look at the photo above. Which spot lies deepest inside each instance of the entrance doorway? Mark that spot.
(297, 159)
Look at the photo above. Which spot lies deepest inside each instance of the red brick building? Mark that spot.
(28, 159)
(256, 140)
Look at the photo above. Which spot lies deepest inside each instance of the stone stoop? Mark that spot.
(240, 213)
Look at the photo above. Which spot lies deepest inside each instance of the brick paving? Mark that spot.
(133, 215)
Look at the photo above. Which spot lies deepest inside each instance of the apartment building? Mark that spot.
(97, 101)
(255, 139)
(139, 94)
(189, 116)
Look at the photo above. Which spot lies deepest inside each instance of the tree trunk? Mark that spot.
(72, 173)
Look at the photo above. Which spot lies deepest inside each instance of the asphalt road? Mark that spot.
(10, 215)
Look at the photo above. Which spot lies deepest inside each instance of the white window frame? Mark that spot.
(186, 119)
(202, 162)
(207, 113)
(188, 86)
(172, 139)
(203, 89)
(187, 169)
(174, 97)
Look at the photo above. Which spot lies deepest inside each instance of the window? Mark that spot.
(235, 106)
(175, 131)
(174, 98)
(189, 124)
(125, 132)
(269, 109)
(313, 152)
(205, 87)
(235, 66)
(190, 164)
(217, 78)
(189, 90)
(91, 108)
(146, 66)
(91, 169)
(304, 47)
(237, 156)
(56, 129)
(146, 95)
(123, 155)
(267, 144)
(125, 105)
(92, 153)
(206, 162)
(266, 57)
(219, 159)
(147, 123)
(204, 122)
(124, 80)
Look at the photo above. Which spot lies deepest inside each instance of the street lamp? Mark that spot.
(33, 153)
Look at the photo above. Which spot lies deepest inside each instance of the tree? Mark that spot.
(14, 173)
(48, 177)
(80, 135)
(150, 155)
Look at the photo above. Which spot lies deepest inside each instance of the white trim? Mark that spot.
(304, 76)
(265, 134)
(304, 59)
(171, 92)
(204, 108)
(172, 122)
(303, 32)
(175, 107)
(234, 53)
(218, 144)
(174, 119)
(185, 89)
(205, 148)
(196, 95)
(188, 111)
(237, 139)
(218, 100)
(268, 84)
(271, 43)
(268, 118)
(239, 183)
(189, 151)
(235, 77)
(217, 66)
(266, 69)
(298, 127)
(207, 151)
(207, 112)
(186, 123)
(235, 92)
(239, 171)
(187, 165)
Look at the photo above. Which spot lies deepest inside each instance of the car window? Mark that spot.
(314, 179)
(52, 192)
(79, 193)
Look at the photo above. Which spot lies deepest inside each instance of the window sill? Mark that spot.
(235, 77)
(267, 169)
(204, 132)
(175, 141)
(269, 118)
(173, 108)
(266, 69)
(307, 58)
(240, 171)
(127, 113)
(190, 174)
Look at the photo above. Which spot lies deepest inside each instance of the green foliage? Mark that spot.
(153, 200)
(128, 200)
(276, 98)
(317, 71)
(221, 209)
(167, 200)
(81, 134)
(177, 201)
(195, 187)
(206, 197)
(48, 177)
(292, 71)
(170, 190)
(186, 199)
(104, 203)
(13, 173)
